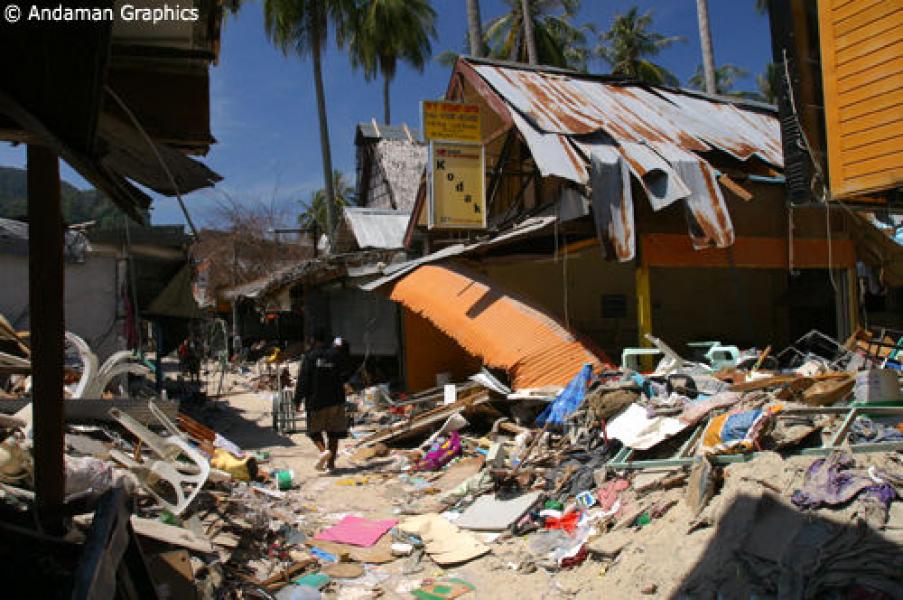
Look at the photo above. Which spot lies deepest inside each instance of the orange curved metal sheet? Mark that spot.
(503, 331)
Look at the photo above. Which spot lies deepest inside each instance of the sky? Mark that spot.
(263, 107)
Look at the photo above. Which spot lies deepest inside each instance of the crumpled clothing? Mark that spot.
(696, 411)
(830, 482)
(607, 494)
(566, 522)
(866, 431)
(583, 466)
(737, 431)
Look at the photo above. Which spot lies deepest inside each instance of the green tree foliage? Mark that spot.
(769, 83)
(726, 77)
(79, 206)
(559, 43)
(314, 215)
(630, 43)
(302, 27)
(388, 31)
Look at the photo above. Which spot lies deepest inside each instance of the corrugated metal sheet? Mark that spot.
(533, 348)
(553, 153)
(314, 269)
(612, 200)
(394, 271)
(657, 132)
(568, 105)
(377, 228)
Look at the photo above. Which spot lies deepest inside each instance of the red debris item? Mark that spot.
(567, 522)
(575, 560)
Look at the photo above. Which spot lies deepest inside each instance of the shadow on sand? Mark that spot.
(767, 548)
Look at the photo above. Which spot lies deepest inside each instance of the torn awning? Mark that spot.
(504, 332)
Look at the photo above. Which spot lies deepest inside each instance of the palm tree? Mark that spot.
(769, 83)
(762, 7)
(629, 44)
(529, 37)
(705, 39)
(302, 27)
(725, 78)
(474, 28)
(388, 31)
(315, 216)
(559, 43)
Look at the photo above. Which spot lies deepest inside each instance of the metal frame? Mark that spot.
(285, 417)
(622, 460)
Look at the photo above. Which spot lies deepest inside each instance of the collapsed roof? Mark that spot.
(598, 131)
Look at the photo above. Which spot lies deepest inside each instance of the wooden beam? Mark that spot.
(644, 304)
(676, 250)
(735, 188)
(45, 304)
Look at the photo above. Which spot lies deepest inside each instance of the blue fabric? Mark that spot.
(568, 400)
(736, 426)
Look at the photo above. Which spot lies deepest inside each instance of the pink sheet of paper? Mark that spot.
(356, 531)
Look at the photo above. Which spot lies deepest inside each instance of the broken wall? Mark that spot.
(91, 300)
(594, 288)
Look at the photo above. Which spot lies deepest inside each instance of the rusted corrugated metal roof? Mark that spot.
(501, 330)
(571, 121)
(573, 105)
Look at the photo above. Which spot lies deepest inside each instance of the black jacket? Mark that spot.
(322, 378)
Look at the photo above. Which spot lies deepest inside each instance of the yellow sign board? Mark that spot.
(451, 121)
(457, 186)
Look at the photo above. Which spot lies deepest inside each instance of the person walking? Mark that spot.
(321, 389)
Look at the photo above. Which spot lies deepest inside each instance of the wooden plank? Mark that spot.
(424, 421)
(872, 60)
(829, 92)
(885, 26)
(885, 70)
(46, 307)
(864, 139)
(880, 164)
(845, 10)
(890, 85)
(676, 250)
(177, 536)
(864, 49)
(850, 125)
(874, 105)
(735, 188)
(874, 183)
(866, 16)
(644, 300)
(882, 150)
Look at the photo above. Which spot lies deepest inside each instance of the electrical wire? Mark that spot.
(153, 147)
(824, 196)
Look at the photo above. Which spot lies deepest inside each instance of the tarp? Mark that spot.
(176, 300)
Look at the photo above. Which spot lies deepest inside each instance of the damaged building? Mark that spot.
(619, 209)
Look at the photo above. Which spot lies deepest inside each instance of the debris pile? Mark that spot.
(741, 474)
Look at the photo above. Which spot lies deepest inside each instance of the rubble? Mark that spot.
(614, 473)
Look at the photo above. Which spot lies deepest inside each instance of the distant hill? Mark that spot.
(78, 205)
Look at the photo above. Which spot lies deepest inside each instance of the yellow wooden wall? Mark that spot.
(862, 71)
